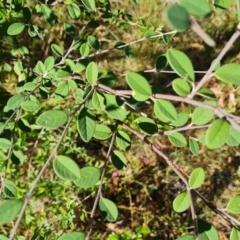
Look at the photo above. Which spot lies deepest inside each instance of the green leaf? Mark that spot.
(206, 230)
(193, 146)
(86, 124)
(233, 138)
(197, 178)
(92, 73)
(140, 86)
(181, 87)
(62, 89)
(93, 42)
(166, 109)
(182, 119)
(74, 11)
(229, 73)
(197, 8)
(181, 64)
(108, 209)
(217, 134)
(17, 157)
(5, 143)
(118, 160)
(147, 125)
(222, 4)
(30, 106)
(15, 101)
(49, 63)
(235, 234)
(149, 33)
(9, 189)
(98, 101)
(84, 49)
(181, 203)
(89, 177)
(66, 168)
(61, 74)
(128, 51)
(52, 119)
(89, 4)
(3, 237)
(9, 210)
(72, 236)
(102, 132)
(177, 18)
(123, 141)
(70, 29)
(161, 62)
(234, 204)
(187, 237)
(206, 92)
(177, 139)
(57, 50)
(202, 116)
(115, 107)
(15, 28)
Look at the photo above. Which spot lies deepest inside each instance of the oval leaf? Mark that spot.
(233, 138)
(193, 145)
(181, 87)
(235, 234)
(181, 203)
(181, 64)
(197, 178)
(202, 116)
(9, 210)
(206, 230)
(15, 28)
(123, 141)
(30, 106)
(5, 143)
(86, 125)
(177, 139)
(108, 209)
(52, 119)
(102, 132)
(89, 177)
(119, 161)
(182, 119)
(140, 86)
(15, 101)
(217, 134)
(234, 204)
(9, 189)
(166, 109)
(57, 50)
(89, 4)
(147, 125)
(177, 18)
(92, 72)
(66, 168)
(229, 73)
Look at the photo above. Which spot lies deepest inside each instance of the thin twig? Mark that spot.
(123, 46)
(186, 128)
(229, 44)
(89, 227)
(53, 154)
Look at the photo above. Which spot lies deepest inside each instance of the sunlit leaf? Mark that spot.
(123, 141)
(235, 234)
(166, 109)
(196, 178)
(74, 11)
(9, 189)
(30, 106)
(193, 146)
(89, 4)
(92, 72)
(93, 42)
(15, 101)
(84, 49)
(202, 116)
(147, 125)
(5, 143)
(234, 204)
(66, 168)
(72, 236)
(140, 86)
(89, 177)
(181, 87)
(9, 210)
(98, 101)
(102, 132)
(182, 202)
(57, 50)
(187, 237)
(15, 28)
(108, 209)
(217, 134)
(52, 119)
(181, 64)
(229, 73)
(177, 139)
(182, 119)
(86, 124)
(233, 138)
